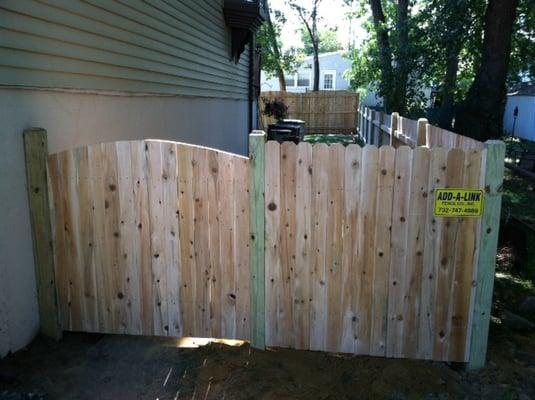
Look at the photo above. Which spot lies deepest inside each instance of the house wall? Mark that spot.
(154, 46)
(98, 70)
(525, 123)
(327, 62)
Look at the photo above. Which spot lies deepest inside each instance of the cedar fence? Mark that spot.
(379, 128)
(304, 246)
(325, 111)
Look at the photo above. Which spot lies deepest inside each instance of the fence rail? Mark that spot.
(306, 246)
(326, 111)
(378, 128)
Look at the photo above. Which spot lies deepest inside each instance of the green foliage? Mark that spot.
(436, 28)
(522, 63)
(273, 59)
(328, 41)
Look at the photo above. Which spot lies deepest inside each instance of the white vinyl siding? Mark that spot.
(153, 46)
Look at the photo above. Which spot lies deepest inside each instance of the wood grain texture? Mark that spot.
(398, 256)
(257, 155)
(383, 238)
(433, 229)
(151, 237)
(446, 271)
(35, 149)
(493, 172)
(317, 247)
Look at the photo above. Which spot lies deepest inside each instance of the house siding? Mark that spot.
(525, 122)
(329, 62)
(153, 46)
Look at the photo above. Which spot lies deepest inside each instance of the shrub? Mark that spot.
(275, 108)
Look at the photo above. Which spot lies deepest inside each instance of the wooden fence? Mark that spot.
(327, 111)
(309, 246)
(149, 239)
(378, 128)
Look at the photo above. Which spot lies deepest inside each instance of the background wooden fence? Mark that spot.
(378, 128)
(311, 246)
(326, 111)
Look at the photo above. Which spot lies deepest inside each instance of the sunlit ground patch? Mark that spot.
(194, 342)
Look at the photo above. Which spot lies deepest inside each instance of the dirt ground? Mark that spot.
(85, 366)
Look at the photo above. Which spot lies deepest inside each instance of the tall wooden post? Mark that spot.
(36, 152)
(369, 129)
(380, 129)
(487, 253)
(257, 141)
(394, 124)
(422, 127)
(372, 126)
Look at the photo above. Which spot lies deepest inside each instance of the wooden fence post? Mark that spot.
(422, 126)
(372, 126)
(487, 253)
(363, 124)
(380, 129)
(257, 141)
(369, 130)
(359, 120)
(36, 153)
(394, 123)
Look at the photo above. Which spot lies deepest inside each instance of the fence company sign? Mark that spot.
(458, 203)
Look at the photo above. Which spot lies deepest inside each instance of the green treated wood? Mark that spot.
(422, 128)
(36, 152)
(257, 141)
(487, 254)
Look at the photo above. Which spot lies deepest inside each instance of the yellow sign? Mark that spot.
(458, 203)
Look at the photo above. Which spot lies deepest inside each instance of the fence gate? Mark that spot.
(150, 239)
(306, 246)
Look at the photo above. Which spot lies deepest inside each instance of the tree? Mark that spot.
(274, 60)
(386, 85)
(328, 41)
(309, 18)
(395, 79)
(446, 29)
(481, 114)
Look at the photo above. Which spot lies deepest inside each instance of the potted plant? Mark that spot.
(275, 108)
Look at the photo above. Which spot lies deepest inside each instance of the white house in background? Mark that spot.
(522, 97)
(332, 69)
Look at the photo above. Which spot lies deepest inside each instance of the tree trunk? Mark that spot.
(402, 71)
(457, 22)
(447, 94)
(385, 54)
(481, 114)
(316, 86)
(276, 52)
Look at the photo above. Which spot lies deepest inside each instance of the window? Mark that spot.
(290, 80)
(303, 79)
(328, 81)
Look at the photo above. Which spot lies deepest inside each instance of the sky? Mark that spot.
(333, 13)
